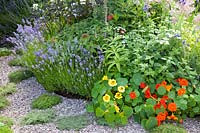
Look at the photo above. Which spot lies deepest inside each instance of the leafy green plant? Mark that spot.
(38, 117)
(19, 75)
(10, 88)
(72, 122)
(6, 120)
(3, 102)
(4, 52)
(15, 62)
(168, 128)
(5, 129)
(46, 101)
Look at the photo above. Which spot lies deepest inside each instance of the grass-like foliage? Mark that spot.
(4, 52)
(72, 122)
(46, 101)
(10, 88)
(6, 120)
(19, 75)
(3, 102)
(38, 117)
(15, 62)
(168, 128)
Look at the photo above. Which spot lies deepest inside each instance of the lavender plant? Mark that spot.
(65, 67)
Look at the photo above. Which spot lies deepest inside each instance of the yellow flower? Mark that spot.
(126, 86)
(121, 89)
(106, 98)
(118, 95)
(112, 82)
(116, 108)
(168, 87)
(105, 77)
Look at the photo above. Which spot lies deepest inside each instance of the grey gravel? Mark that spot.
(30, 89)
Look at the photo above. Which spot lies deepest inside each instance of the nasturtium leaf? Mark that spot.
(151, 123)
(102, 90)
(127, 98)
(135, 101)
(171, 94)
(128, 111)
(138, 109)
(197, 98)
(191, 102)
(122, 81)
(99, 112)
(161, 90)
(136, 118)
(143, 123)
(109, 117)
(124, 120)
(137, 78)
(137, 93)
(90, 108)
(197, 90)
(149, 110)
(190, 89)
(196, 109)
(94, 92)
(150, 101)
(117, 75)
(162, 109)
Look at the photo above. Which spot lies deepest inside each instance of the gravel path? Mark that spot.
(29, 89)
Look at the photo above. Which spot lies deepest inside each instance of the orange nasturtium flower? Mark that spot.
(164, 83)
(172, 117)
(105, 77)
(132, 95)
(106, 98)
(121, 89)
(118, 95)
(172, 107)
(181, 91)
(112, 82)
(168, 87)
(160, 117)
(183, 82)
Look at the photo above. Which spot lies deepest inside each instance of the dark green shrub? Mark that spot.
(46, 101)
(168, 128)
(5, 129)
(8, 89)
(15, 62)
(6, 120)
(19, 75)
(72, 122)
(37, 117)
(4, 52)
(3, 102)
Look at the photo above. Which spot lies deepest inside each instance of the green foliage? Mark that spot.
(168, 128)
(46, 101)
(38, 117)
(15, 62)
(10, 88)
(5, 52)
(19, 75)
(5, 129)
(3, 102)
(72, 122)
(6, 121)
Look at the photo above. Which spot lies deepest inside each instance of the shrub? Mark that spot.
(46, 101)
(19, 75)
(15, 62)
(6, 120)
(38, 117)
(3, 102)
(10, 88)
(168, 128)
(4, 52)
(72, 122)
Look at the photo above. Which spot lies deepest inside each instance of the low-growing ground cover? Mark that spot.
(19, 75)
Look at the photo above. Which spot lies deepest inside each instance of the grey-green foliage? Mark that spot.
(168, 128)
(3, 102)
(10, 88)
(6, 120)
(46, 101)
(5, 129)
(5, 52)
(19, 75)
(72, 122)
(38, 116)
(15, 62)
